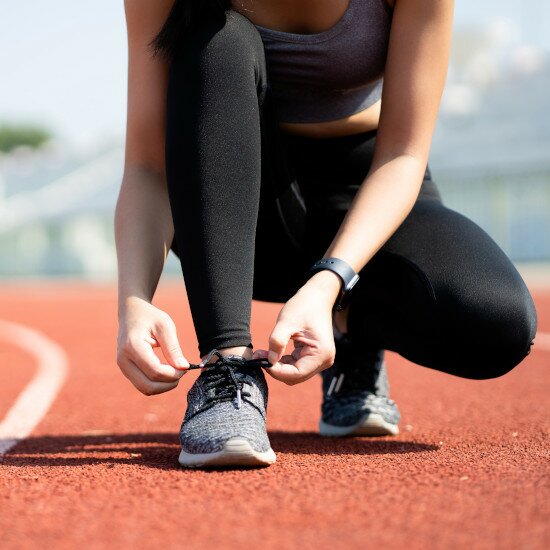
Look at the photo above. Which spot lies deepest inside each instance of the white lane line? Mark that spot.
(34, 401)
(542, 341)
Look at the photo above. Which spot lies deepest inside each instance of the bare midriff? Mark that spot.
(364, 121)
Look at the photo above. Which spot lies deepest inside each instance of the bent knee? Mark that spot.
(221, 53)
(495, 338)
(230, 37)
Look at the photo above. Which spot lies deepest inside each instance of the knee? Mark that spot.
(496, 335)
(221, 43)
(221, 60)
(510, 336)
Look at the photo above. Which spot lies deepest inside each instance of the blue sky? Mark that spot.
(63, 63)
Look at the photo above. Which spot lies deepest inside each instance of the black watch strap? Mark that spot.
(346, 273)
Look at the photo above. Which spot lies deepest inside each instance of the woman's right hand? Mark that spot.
(143, 327)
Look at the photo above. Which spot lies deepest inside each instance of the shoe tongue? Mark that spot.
(235, 359)
(234, 356)
(237, 365)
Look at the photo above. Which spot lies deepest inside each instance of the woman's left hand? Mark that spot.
(306, 319)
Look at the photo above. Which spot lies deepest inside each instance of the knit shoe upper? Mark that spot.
(228, 400)
(356, 387)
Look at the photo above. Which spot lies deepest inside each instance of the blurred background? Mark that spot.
(62, 124)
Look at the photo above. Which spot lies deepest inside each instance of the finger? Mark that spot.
(141, 382)
(260, 354)
(293, 369)
(289, 374)
(144, 357)
(167, 337)
(278, 341)
(286, 373)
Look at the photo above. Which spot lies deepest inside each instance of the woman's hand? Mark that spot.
(143, 327)
(306, 319)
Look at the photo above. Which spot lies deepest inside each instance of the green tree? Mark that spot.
(16, 135)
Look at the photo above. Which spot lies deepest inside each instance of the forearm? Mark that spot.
(143, 233)
(414, 77)
(377, 210)
(379, 207)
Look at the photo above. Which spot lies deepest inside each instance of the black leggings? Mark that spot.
(254, 207)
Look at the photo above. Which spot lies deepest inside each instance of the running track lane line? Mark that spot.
(38, 395)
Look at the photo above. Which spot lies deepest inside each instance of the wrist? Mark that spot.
(343, 271)
(326, 284)
(127, 301)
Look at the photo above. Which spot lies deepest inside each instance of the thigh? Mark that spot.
(443, 294)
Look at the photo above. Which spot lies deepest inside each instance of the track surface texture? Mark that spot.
(469, 469)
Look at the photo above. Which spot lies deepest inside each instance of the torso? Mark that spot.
(305, 17)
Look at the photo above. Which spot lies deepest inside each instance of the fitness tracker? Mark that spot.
(344, 271)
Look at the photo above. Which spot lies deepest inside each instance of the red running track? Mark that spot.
(469, 470)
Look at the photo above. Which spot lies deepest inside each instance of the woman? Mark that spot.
(260, 142)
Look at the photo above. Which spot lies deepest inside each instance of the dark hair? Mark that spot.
(183, 16)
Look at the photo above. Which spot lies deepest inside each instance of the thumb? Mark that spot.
(168, 340)
(260, 354)
(278, 341)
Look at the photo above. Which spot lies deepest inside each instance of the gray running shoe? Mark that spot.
(224, 424)
(356, 394)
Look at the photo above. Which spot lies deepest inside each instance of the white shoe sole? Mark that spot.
(235, 452)
(374, 424)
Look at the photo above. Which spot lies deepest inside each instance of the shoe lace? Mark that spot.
(222, 377)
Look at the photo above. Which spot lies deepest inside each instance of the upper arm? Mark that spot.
(147, 82)
(414, 77)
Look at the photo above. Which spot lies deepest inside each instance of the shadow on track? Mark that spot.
(160, 450)
(313, 443)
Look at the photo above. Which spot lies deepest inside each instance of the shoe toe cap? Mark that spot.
(208, 431)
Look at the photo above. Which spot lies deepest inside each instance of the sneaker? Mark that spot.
(356, 394)
(224, 424)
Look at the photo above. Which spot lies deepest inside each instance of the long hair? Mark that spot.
(184, 15)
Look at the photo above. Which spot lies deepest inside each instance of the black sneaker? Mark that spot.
(356, 394)
(224, 424)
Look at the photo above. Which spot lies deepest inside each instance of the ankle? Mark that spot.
(243, 351)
